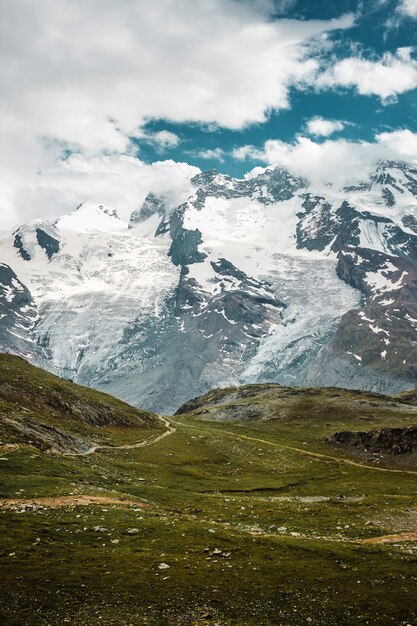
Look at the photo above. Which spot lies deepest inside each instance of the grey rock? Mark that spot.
(152, 205)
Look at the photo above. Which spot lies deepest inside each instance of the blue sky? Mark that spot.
(106, 101)
(379, 28)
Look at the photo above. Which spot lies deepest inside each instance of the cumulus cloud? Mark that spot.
(386, 77)
(161, 140)
(211, 153)
(402, 142)
(407, 8)
(249, 152)
(320, 127)
(89, 73)
(83, 76)
(166, 139)
(335, 161)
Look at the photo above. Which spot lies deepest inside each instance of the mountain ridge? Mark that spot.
(259, 279)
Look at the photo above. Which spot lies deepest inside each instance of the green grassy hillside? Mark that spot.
(55, 414)
(242, 512)
(313, 416)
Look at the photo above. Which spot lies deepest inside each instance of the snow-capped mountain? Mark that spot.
(261, 279)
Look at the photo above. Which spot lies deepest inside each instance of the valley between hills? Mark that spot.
(254, 505)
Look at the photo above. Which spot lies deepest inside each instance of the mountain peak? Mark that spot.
(208, 177)
(28, 238)
(90, 216)
(152, 205)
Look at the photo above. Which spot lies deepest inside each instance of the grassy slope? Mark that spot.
(41, 408)
(290, 521)
(306, 416)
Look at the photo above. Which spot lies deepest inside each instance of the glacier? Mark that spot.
(258, 279)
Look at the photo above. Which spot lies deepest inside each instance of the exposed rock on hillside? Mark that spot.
(386, 440)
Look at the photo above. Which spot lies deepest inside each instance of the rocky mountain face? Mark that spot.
(17, 312)
(260, 279)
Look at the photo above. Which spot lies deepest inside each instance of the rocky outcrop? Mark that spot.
(46, 437)
(48, 243)
(185, 242)
(382, 334)
(17, 313)
(18, 243)
(152, 205)
(239, 306)
(385, 440)
(318, 224)
(273, 185)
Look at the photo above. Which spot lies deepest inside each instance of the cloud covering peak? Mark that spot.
(84, 76)
(84, 80)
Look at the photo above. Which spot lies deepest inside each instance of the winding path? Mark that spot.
(317, 455)
(13, 447)
(170, 424)
(130, 446)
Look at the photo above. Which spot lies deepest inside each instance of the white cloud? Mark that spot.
(165, 139)
(89, 73)
(336, 161)
(248, 152)
(281, 7)
(211, 153)
(321, 127)
(387, 77)
(119, 181)
(161, 140)
(402, 142)
(84, 76)
(408, 8)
